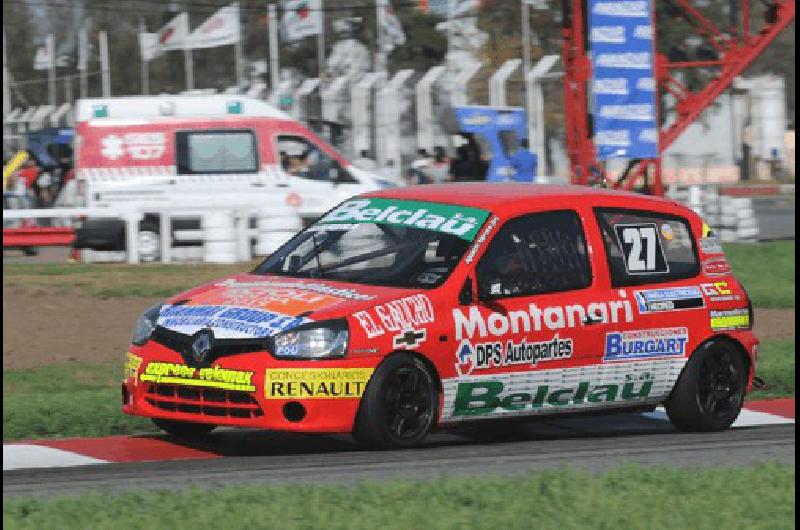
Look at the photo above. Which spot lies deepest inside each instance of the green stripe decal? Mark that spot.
(460, 221)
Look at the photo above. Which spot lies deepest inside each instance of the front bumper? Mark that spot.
(247, 390)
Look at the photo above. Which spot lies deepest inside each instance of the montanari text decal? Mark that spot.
(460, 221)
(645, 343)
(216, 377)
(535, 318)
(316, 383)
(558, 390)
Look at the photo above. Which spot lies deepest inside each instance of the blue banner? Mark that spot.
(623, 78)
(499, 128)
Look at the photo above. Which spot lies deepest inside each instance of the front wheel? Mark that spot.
(400, 405)
(710, 392)
(183, 429)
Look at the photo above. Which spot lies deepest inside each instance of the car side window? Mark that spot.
(647, 247)
(216, 151)
(299, 157)
(535, 254)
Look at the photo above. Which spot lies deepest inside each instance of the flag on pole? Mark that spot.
(45, 54)
(148, 45)
(220, 29)
(302, 18)
(390, 28)
(174, 35)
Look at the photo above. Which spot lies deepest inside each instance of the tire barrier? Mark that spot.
(733, 218)
(274, 228)
(219, 237)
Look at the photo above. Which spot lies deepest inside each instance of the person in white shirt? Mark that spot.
(364, 161)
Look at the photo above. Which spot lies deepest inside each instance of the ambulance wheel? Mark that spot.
(149, 242)
(710, 392)
(183, 429)
(400, 405)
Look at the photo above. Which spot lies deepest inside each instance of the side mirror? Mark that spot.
(465, 296)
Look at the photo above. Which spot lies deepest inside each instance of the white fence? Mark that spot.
(226, 234)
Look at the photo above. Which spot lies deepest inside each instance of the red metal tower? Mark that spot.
(735, 48)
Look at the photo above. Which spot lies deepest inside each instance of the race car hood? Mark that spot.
(247, 306)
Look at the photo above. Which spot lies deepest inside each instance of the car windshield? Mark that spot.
(379, 241)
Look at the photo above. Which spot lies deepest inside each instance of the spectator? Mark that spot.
(439, 170)
(389, 172)
(462, 168)
(417, 171)
(364, 161)
(524, 163)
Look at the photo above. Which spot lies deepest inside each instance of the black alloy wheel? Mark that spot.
(710, 392)
(400, 405)
(720, 386)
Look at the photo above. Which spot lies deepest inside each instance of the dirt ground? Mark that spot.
(48, 327)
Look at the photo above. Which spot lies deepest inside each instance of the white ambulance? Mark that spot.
(150, 154)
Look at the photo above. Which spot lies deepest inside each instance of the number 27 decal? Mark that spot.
(641, 248)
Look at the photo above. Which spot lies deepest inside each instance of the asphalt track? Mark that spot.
(257, 457)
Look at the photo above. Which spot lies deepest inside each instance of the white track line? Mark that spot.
(23, 456)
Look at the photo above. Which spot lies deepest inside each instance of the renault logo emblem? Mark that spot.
(201, 346)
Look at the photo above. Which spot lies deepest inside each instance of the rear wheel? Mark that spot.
(709, 394)
(400, 405)
(183, 429)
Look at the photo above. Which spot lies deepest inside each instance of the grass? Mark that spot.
(776, 366)
(115, 280)
(86, 401)
(761, 497)
(766, 270)
(63, 400)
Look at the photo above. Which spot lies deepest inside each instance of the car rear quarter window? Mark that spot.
(536, 254)
(647, 247)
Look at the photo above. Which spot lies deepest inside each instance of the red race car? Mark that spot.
(406, 310)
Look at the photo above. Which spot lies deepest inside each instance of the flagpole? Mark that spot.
(6, 80)
(189, 67)
(145, 67)
(274, 58)
(237, 50)
(379, 60)
(51, 75)
(526, 40)
(104, 72)
(83, 52)
(321, 43)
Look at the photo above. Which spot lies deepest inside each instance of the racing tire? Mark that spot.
(710, 392)
(183, 429)
(30, 251)
(400, 405)
(149, 242)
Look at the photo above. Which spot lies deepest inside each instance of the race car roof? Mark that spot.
(507, 194)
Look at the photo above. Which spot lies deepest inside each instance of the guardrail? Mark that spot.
(226, 234)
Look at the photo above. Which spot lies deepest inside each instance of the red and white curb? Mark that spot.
(70, 452)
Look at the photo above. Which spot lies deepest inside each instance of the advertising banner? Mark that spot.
(623, 78)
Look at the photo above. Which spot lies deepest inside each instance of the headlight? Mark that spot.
(146, 325)
(318, 340)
